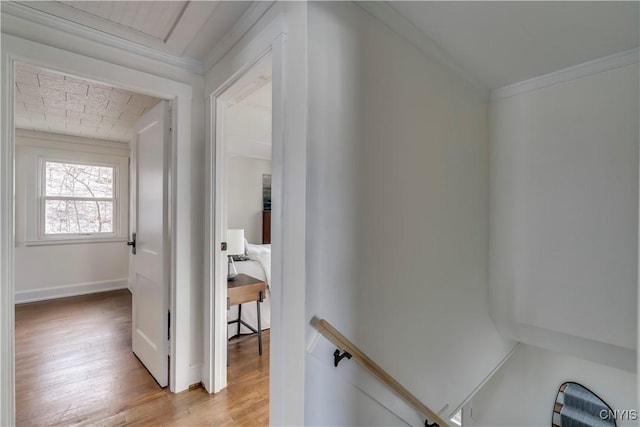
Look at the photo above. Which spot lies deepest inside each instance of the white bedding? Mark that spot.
(258, 266)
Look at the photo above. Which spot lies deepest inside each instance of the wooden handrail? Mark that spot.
(344, 344)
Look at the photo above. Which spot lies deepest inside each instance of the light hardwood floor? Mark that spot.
(74, 366)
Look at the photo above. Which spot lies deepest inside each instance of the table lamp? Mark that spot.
(235, 246)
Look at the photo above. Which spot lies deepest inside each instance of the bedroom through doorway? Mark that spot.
(81, 157)
(243, 217)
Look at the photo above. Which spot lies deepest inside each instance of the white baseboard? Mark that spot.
(70, 290)
(195, 374)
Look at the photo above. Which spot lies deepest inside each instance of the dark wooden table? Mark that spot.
(245, 289)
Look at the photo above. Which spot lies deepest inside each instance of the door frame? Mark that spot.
(283, 30)
(216, 342)
(15, 49)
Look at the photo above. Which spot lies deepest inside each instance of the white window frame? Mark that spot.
(35, 209)
(43, 198)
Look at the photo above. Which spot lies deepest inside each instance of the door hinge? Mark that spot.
(169, 333)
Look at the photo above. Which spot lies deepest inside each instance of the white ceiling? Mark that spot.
(502, 43)
(247, 116)
(248, 126)
(48, 101)
(496, 43)
(253, 88)
(181, 28)
(135, 14)
(261, 97)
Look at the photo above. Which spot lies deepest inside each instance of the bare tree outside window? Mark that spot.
(78, 198)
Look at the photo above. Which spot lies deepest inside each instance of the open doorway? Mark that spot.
(14, 51)
(74, 140)
(242, 217)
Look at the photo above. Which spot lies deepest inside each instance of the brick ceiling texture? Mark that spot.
(54, 102)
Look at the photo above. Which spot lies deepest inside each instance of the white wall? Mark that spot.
(564, 201)
(244, 195)
(248, 131)
(397, 217)
(523, 392)
(248, 123)
(56, 270)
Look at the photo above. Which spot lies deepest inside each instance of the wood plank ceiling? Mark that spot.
(187, 29)
(135, 14)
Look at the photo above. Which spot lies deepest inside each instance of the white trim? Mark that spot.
(32, 159)
(219, 341)
(45, 144)
(208, 346)
(89, 20)
(119, 200)
(27, 13)
(218, 379)
(7, 286)
(214, 339)
(286, 397)
(76, 289)
(288, 323)
(585, 69)
(416, 37)
(193, 375)
(248, 19)
(73, 241)
(96, 70)
(22, 50)
(48, 137)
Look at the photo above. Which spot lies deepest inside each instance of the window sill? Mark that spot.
(76, 241)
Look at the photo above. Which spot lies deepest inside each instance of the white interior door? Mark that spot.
(150, 266)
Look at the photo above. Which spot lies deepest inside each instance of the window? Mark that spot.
(71, 192)
(78, 199)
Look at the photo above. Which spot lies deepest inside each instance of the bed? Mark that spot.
(259, 266)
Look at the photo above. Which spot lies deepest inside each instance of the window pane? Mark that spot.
(74, 180)
(73, 216)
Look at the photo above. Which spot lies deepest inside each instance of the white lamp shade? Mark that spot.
(235, 241)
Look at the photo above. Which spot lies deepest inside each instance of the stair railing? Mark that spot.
(350, 350)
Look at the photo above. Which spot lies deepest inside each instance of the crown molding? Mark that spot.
(407, 30)
(21, 11)
(248, 19)
(585, 69)
(49, 137)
